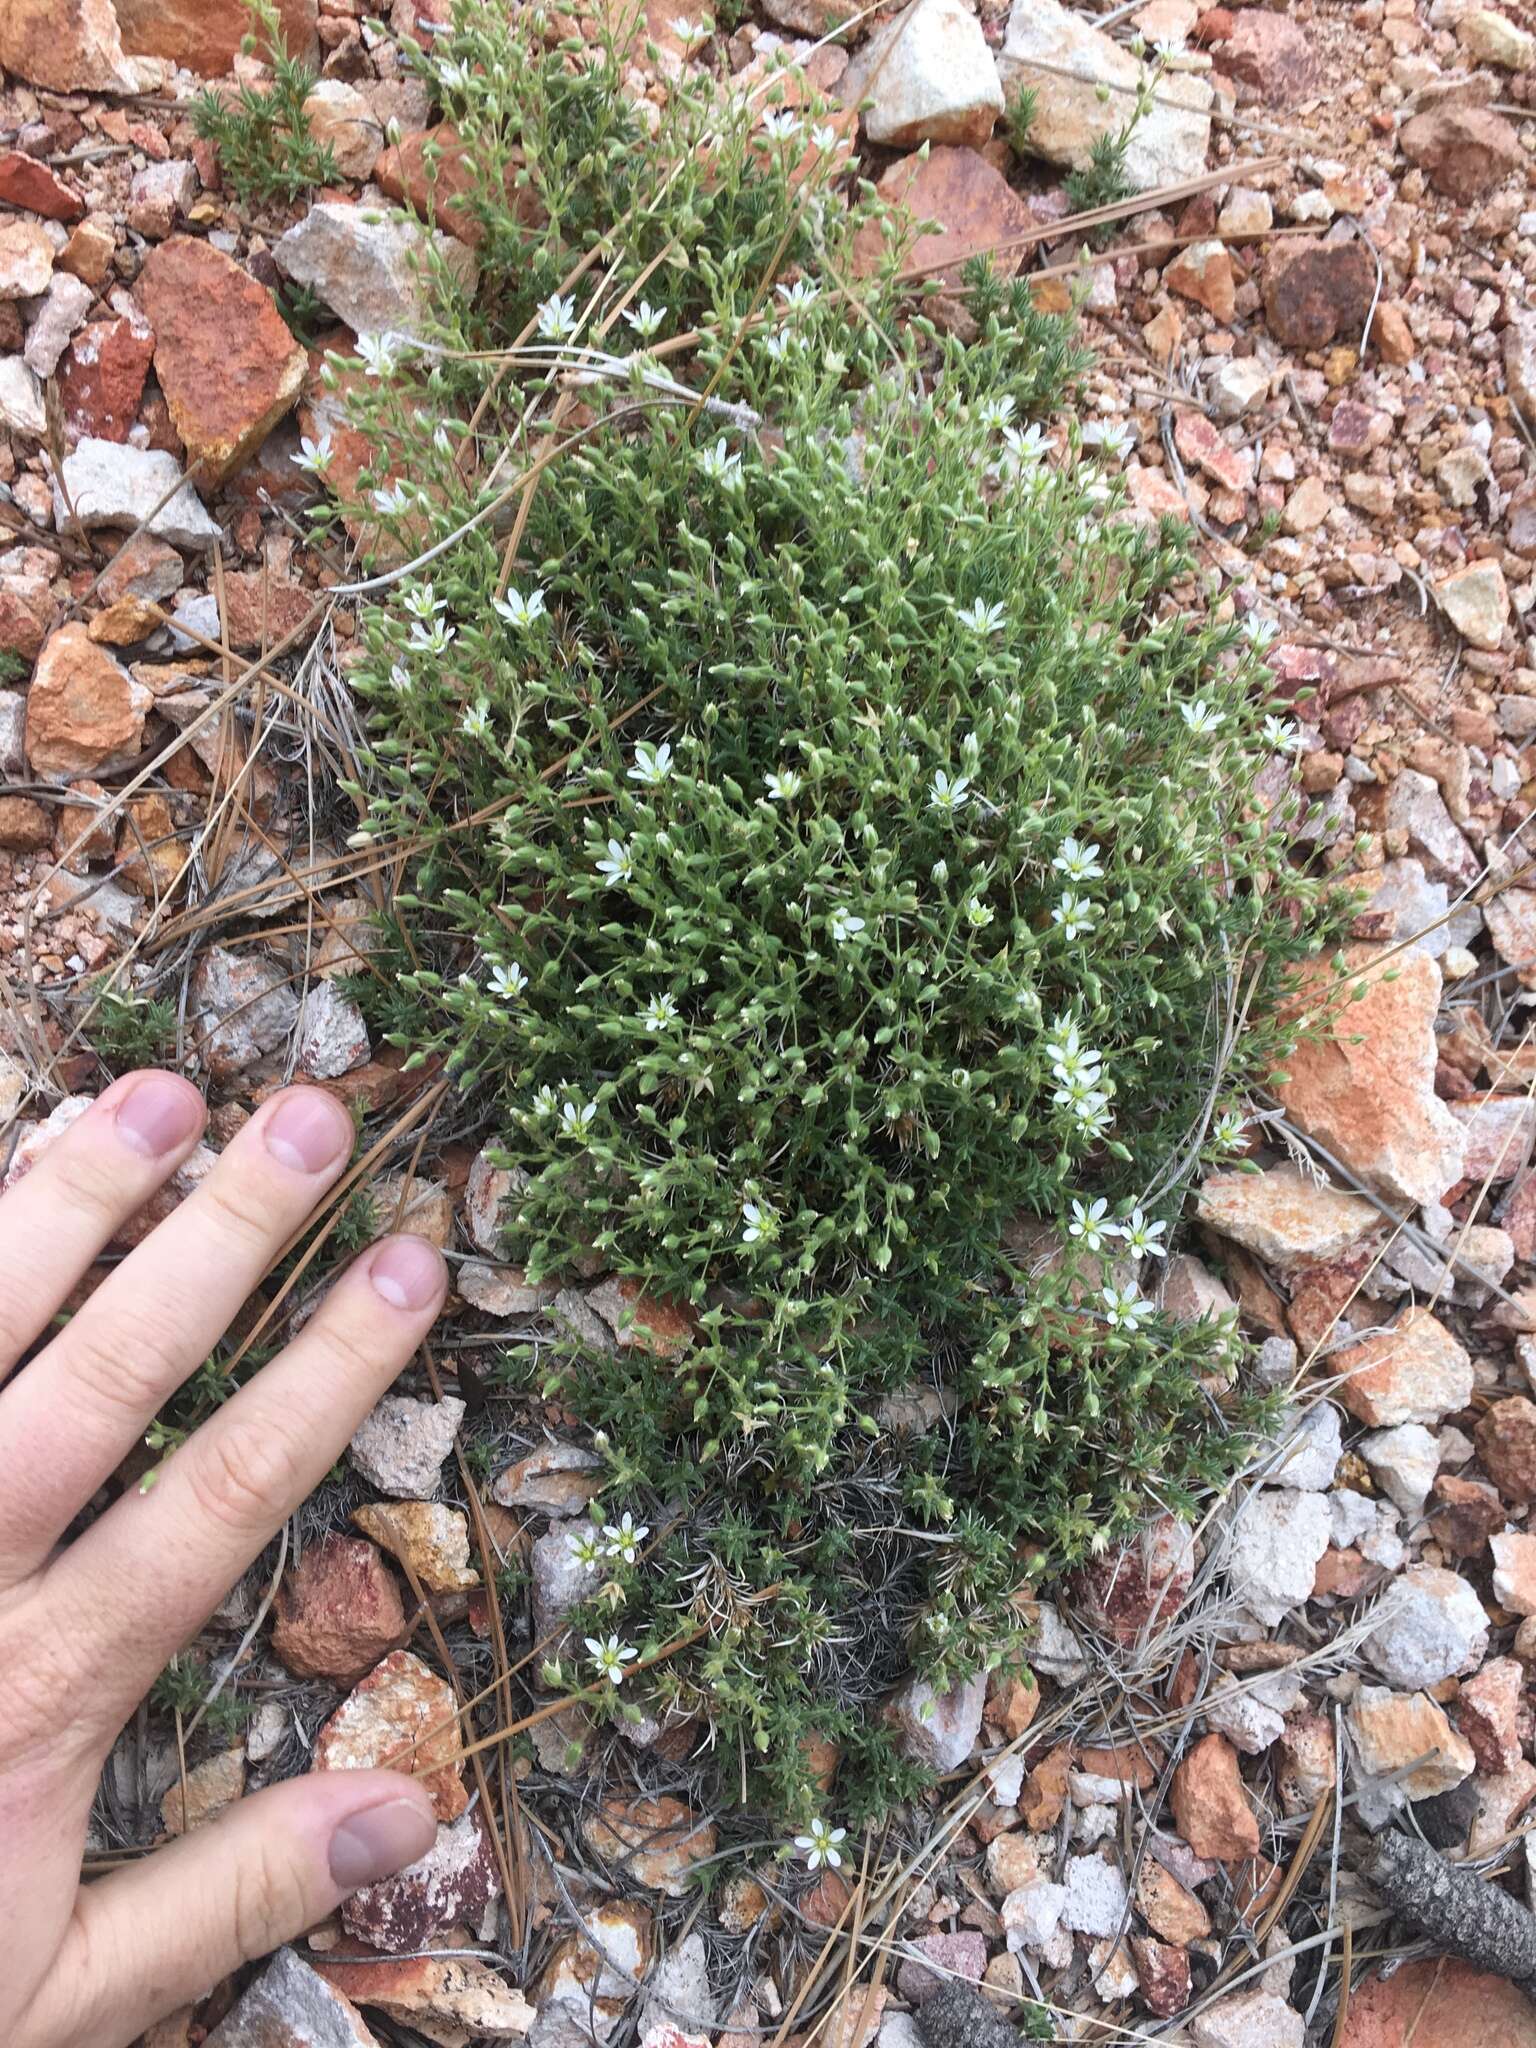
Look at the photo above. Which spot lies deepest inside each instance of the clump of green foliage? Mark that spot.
(129, 1031)
(834, 866)
(266, 150)
(1103, 180)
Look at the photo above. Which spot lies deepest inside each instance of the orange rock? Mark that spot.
(152, 856)
(1169, 1908)
(402, 1717)
(1506, 1444)
(653, 1842)
(1439, 2003)
(1210, 1803)
(974, 208)
(25, 825)
(66, 45)
(85, 713)
(1415, 1371)
(1012, 1704)
(205, 35)
(210, 1788)
(438, 1994)
(1203, 273)
(1044, 1792)
(337, 1612)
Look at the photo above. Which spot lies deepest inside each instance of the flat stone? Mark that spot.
(1249, 2019)
(1416, 808)
(1170, 1909)
(967, 208)
(1476, 601)
(1429, 1625)
(1392, 1730)
(1277, 1540)
(333, 1034)
(430, 1540)
(1210, 1803)
(85, 713)
(56, 317)
(1309, 1444)
(1097, 1900)
(1500, 1132)
(243, 1009)
(1133, 1588)
(26, 259)
(225, 359)
(210, 1789)
(368, 268)
(498, 1290)
(646, 1322)
(1514, 1570)
(556, 1479)
(934, 1729)
(929, 77)
(292, 2006)
(30, 184)
(1403, 1462)
(1271, 54)
(1162, 1975)
(337, 1612)
(655, 1843)
(1367, 1091)
(102, 375)
(205, 35)
(1167, 145)
(402, 1717)
(1465, 151)
(450, 1886)
(1439, 2003)
(592, 1974)
(1285, 1216)
(446, 1998)
(110, 485)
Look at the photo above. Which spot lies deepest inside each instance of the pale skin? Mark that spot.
(86, 1625)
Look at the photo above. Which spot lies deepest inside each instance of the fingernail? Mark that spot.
(407, 1272)
(309, 1131)
(379, 1841)
(158, 1115)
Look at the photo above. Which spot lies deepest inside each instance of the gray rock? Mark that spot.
(371, 269)
(1277, 1539)
(401, 1446)
(1309, 1445)
(244, 1009)
(13, 733)
(679, 1991)
(556, 1479)
(21, 399)
(502, 1290)
(111, 484)
(1054, 1649)
(560, 1580)
(291, 2002)
(333, 1038)
(1404, 1461)
(929, 77)
(1249, 2019)
(938, 1729)
(60, 313)
(1430, 1626)
(486, 1195)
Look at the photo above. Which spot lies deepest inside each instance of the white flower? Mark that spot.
(1124, 1308)
(588, 1549)
(799, 295)
(819, 1845)
(575, 1117)
(508, 981)
(977, 914)
(618, 867)
(558, 318)
(378, 353)
(1277, 734)
(1077, 862)
(1075, 914)
(777, 346)
(476, 722)
(434, 639)
(1025, 445)
(995, 413)
(1088, 1223)
(825, 137)
(947, 795)
(780, 124)
(659, 1014)
(647, 320)
(1202, 718)
(652, 764)
(624, 1539)
(1093, 1115)
(452, 74)
(784, 787)
(610, 1657)
(399, 676)
(389, 502)
(1230, 1130)
(546, 1100)
(720, 466)
(1141, 1236)
(422, 601)
(1260, 631)
(314, 456)
(686, 31)
(980, 617)
(1110, 437)
(844, 926)
(759, 1224)
(519, 610)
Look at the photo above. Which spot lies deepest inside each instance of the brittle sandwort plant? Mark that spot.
(834, 871)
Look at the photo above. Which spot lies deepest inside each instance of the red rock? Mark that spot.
(27, 183)
(1315, 292)
(1489, 1711)
(443, 1998)
(961, 1955)
(338, 1612)
(1012, 1704)
(205, 35)
(1439, 2003)
(402, 1717)
(1514, 1570)
(85, 713)
(1464, 1514)
(974, 207)
(66, 45)
(1210, 1803)
(1203, 273)
(432, 174)
(653, 1842)
(1163, 1973)
(1414, 1371)
(25, 826)
(226, 361)
(1269, 53)
(27, 613)
(1506, 1444)
(450, 1886)
(1517, 1215)
(1202, 446)
(101, 379)
(1139, 1584)
(1464, 151)
(1500, 1130)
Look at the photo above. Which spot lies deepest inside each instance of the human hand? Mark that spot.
(85, 1629)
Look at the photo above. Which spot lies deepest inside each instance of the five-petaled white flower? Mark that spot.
(659, 1014)
(476, 722)
(391, 501)
(452, 74)
(611, 1657)
(818, 1845)
(785, 786)
(825, 137)
(423, 602)
(800, 294)
(981, 617)
(1124, 1308)
(1077, 862)
(508, 981)
(399, 676)
(378, 353)
(575, 1117)
(1202, 718)
(758, 1223)
(1260, 631)
(779, 124)
(647, 320)
(843, 925)
(1141, 1236)
(1277, 734)
(624, 1539)
(1088, 1224)
(687, 31)
(652, 764)
(995, 413)
(520, 609)
(977, 913)
(434, 639)
(588, 1549)
(546, 1100)
(1110, 437)
(618, 867)
(1075, 915)
(1229, 1130)
(721, 466)
(1025, 445)
(314, 456)
(946, 793)
(558, 318)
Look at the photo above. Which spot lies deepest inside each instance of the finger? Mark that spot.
(145, 1576)
(55, 1220)
(79, 1408)
(159, 1934)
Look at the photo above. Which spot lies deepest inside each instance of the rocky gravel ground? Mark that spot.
(1313, 343)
